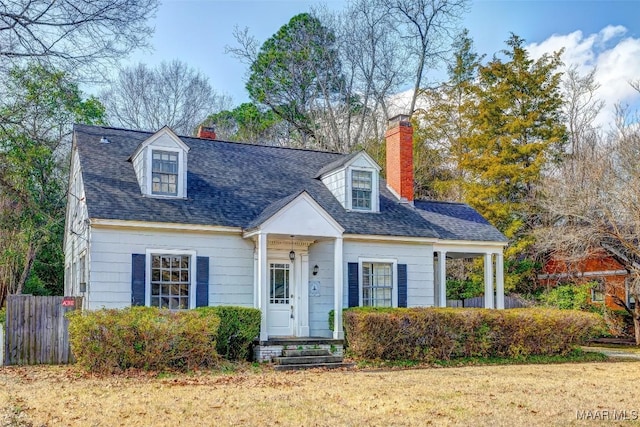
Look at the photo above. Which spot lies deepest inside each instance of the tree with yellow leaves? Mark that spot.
(500, 125)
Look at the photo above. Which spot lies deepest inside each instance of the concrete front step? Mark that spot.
(306, 352)
(306, 360)
(313, 366)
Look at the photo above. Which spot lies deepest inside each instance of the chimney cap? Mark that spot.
(400, 120)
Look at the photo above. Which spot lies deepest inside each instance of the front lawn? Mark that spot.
(472, 395)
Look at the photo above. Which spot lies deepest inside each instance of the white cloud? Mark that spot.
(611, 31)
(616, 57)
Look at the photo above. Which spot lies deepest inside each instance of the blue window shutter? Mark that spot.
(402, 285)
(202, 281)
(352, 280)
(138, 269)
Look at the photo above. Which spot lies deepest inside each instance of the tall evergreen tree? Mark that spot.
(297, 74)
(491, 131)
(516, 129)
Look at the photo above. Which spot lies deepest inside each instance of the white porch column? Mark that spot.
(499, 281)
(262, 284)
(442, 278)
(488, 281)
(303, 297)
(256, 283)
(338, 333)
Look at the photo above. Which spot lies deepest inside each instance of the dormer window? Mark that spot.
(361, 185)
(164, 180)
(354, 180)
(160, 163)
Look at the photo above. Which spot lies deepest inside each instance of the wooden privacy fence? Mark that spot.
(37, 330)
(478, 302)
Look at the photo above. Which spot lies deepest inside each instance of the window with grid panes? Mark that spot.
(170, 281)
(361, 184)
(377, 284)
(164, 173)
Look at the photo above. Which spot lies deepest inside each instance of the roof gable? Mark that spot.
(165, 137)
(359, 159)
(297, 214)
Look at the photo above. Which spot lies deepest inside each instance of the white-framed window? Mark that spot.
(597, 294)
(361, 189)
(83, 273)
(378, 283)
(171, 279)
(164, 172)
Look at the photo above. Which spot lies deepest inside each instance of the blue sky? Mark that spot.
(602, 33)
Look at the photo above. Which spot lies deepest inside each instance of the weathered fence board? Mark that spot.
(478, 302)
(1, 344)
(37, 329)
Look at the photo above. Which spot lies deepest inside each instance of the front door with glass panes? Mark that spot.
(280, 303)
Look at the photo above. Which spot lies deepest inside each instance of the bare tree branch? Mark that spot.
(171, 94)
(73, 34)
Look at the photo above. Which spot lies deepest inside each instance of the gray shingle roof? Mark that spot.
(339, 162)
(457, 221)
(233, 184)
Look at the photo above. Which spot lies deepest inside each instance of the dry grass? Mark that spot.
(475, 395)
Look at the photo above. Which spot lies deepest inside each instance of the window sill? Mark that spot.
(363, 211)
(161, 196)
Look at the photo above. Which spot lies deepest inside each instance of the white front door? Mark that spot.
(280, 304)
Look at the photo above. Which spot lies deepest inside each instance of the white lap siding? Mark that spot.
(417, 257)
(321, 254)
(230, 263)
(76, 230)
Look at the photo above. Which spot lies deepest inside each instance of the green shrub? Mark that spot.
(107, 341)
(239, 326)
(429, 334)
(568, 296)
(463, 289)
(3, 315)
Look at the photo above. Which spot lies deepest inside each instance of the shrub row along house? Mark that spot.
(164, 220)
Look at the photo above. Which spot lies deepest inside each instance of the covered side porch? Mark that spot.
(493, 264)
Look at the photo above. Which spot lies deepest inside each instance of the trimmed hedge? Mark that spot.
(107, 341)
(239, 326)
(428, 334)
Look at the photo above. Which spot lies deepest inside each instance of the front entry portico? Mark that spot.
(281, 286)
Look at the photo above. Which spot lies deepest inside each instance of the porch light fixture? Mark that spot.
(292, 254)
(315, 269)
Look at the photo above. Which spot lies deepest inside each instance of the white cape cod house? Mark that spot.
(165, 220)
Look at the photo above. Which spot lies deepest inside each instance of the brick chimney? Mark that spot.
(206, 132)
(399, 138)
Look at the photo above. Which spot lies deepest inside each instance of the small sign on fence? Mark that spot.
(68, 302)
